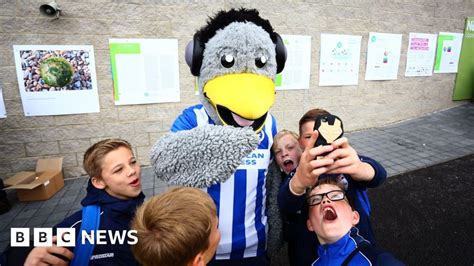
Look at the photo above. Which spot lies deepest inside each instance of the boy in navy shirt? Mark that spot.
(332, 218)
(115, 186)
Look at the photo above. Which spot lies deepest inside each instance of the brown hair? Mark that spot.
(311, 115)
(280, 134)
(174, 227)
(95, 154)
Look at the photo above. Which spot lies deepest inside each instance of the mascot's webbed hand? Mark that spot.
(202, 156)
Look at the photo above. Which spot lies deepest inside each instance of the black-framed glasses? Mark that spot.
(334, 195)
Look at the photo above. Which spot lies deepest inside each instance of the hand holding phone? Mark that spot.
(329, 128)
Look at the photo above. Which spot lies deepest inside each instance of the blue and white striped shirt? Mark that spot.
(241, 199)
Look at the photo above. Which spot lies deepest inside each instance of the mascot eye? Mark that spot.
(227, 60)
(261, 61)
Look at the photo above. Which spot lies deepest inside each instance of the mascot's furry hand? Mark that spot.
(202, 156)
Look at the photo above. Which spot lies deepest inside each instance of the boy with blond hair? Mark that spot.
(333, 219)
(176, 228)
(287, 150)
(114, 190)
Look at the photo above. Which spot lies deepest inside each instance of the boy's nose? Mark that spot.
(131, 171)
(325, 200)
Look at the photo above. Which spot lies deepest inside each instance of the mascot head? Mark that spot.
(236, 57)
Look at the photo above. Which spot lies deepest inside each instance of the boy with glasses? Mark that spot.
(356, 173)
(332, 218)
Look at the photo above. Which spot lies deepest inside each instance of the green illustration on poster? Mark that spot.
(116, 49)
(144, 71)
(447, 52)
(464, 85)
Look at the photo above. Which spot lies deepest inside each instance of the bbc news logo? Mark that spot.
(66, 237)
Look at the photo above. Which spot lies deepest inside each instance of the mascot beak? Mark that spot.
(241, 99)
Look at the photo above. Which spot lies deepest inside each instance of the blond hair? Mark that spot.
(95, 154)
(174, 227)
(281, 134)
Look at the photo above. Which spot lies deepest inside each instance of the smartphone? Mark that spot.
(329, 127)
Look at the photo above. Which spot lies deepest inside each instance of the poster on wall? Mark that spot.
(144, 70)
(383, 56)
(339, 60)
(56, 79)
(464, 86)
(3, 111)
(296, 74)
(420, 54)
(447, 52)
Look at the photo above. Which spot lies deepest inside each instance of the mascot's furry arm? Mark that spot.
(202, 156)
(275, 222)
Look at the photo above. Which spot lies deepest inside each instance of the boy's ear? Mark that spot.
(355, 218)
(98, 182)
(198, 260)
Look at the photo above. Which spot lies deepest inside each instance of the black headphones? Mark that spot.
(195, 50)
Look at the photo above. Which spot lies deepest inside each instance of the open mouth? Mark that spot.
(329, 214)
(235, 120)
(135, 182)
(288, 165)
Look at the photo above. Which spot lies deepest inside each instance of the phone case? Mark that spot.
(329, 127)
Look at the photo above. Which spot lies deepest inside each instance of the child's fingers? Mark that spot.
(312, 140)
(341, 143)
(323, 162)
(61, 251)
(50, 259)
(321, 150)
(319, 171)
(339, 153)
(340, 166)
(320, 166)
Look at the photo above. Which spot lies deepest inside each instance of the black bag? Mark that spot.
(4, 204)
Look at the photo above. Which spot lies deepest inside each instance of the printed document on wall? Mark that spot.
(56, 79)
(420, 54)
(296, 73)
(144, 70)
(447, 52)
(3, 112)
(383, 56)
(339, 60)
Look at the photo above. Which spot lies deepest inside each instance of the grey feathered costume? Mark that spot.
(235, 57)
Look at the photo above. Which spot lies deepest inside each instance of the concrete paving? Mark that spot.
(401, 148)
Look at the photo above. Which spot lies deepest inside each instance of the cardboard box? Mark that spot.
(41, 184)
